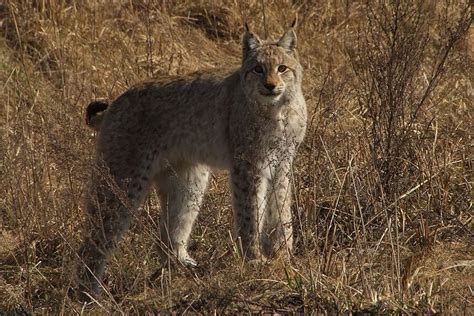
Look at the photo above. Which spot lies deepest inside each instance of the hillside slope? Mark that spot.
(383, 182)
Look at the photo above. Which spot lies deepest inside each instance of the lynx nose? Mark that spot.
(270, 86)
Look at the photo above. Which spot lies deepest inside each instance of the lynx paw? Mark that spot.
(189, 262)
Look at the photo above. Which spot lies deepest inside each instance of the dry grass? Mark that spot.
(383, 182)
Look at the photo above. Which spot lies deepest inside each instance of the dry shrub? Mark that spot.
(383, 181)
(398, 65)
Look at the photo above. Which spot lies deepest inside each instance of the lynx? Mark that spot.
(170, 132)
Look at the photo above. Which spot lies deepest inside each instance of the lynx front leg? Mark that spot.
(277, 232)
(248, 192)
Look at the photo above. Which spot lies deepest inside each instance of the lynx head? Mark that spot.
(271, 73)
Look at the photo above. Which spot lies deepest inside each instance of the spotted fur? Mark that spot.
(169, 132)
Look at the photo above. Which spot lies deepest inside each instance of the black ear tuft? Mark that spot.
(294, 23)
(250, 42)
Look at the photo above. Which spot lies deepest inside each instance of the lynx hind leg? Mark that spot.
(277, 230)
(110, 213)
(181, 191)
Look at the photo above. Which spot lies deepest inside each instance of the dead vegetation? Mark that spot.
(383, 181)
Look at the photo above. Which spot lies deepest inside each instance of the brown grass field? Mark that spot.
(383, 208)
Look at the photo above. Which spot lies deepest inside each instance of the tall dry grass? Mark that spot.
(383, 181)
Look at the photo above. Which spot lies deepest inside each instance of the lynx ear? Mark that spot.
(250, 41)
(288, 40)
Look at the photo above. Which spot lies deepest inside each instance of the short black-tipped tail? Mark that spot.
(94, 114)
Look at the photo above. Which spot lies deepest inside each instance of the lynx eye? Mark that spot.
(258, 69)
(282, 68)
